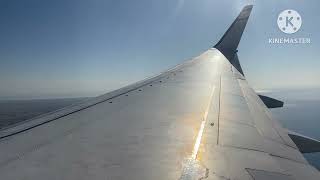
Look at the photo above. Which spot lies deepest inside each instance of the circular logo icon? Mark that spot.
(289, 21)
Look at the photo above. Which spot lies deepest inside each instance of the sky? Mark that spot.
(76, 48)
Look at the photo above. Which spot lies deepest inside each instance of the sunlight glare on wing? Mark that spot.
(199, 136)
(198, 141)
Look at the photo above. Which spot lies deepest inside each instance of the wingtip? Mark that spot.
(249, 6)
(229, 42)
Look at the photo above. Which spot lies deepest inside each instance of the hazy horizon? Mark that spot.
(78, 48)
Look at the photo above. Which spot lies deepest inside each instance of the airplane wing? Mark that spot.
(198, 120)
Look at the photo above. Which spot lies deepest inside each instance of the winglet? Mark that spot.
(229, 42)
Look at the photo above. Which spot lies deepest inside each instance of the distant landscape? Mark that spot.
(15, 111)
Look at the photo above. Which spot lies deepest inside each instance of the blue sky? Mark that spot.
(72, 48)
